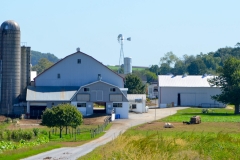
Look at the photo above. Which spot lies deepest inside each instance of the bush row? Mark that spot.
(17, 135)
(8, 145)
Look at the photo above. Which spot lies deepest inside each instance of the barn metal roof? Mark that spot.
(45, 93)
(183, 81)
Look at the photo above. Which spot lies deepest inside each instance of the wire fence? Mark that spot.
(100, 128)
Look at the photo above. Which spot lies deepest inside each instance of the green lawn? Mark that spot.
(217, 137)
(213, 115)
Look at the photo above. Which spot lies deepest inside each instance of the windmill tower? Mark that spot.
(121, 58)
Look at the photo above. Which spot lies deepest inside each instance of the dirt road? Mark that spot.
(119, 126)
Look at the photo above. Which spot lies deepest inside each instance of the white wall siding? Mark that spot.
(88, 110)
(123, 111)
(75, 74)
(190, 96)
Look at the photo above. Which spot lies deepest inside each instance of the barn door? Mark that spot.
(188, 99)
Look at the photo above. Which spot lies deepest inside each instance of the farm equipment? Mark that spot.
(193, 120)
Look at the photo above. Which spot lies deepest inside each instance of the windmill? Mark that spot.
(121, 58)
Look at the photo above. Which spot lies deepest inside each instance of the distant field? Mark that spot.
(115, 68)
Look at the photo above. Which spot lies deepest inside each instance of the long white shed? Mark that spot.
(187, 90)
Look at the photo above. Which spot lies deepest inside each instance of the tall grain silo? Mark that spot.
(25, 71)
(127, 65)
(10, 66)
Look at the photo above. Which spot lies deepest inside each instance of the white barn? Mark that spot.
(81, 80)
(186, 90)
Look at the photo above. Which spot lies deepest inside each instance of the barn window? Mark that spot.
(117, 104)
(81, 104)
(115, 98)
(134, 106)
(83, 97)
(58, 75)
(86, 89)
(99, 77)
(79, 61)
(112, 89)
(138, 100)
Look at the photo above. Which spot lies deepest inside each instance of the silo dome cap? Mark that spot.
(10, 25)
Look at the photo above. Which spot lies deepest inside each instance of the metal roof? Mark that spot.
(50, 93)
(10, 25)
(136, 96)
(183, 81)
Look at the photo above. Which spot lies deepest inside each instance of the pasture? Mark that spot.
(217, 137)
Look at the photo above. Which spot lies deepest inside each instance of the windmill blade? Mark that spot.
(120, 37)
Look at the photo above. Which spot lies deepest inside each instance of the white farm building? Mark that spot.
(137, 103)
(81, 80)
(186, 90)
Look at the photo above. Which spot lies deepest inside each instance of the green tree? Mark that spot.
(155, 69)
(238, 45)
(229, 82)
(179, 68)
(151, 77)
(42, 65)
(197, 67)
(165, 68)
(168, 58)
(134, 84)
(61, 116)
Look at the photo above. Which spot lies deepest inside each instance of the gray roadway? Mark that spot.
(118, 126)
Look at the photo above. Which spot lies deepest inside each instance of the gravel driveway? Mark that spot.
(118, 126)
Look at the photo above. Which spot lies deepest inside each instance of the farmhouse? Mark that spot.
(186, 90)
(81, 80)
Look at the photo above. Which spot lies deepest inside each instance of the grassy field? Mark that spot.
(217, 137)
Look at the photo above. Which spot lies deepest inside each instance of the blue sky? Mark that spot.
(155, 26)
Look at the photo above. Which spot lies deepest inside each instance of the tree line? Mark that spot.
(189, 64)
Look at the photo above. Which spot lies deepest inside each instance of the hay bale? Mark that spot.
(168, 125)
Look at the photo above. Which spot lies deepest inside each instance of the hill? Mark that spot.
(36, 56)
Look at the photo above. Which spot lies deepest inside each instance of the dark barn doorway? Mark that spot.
(179, 100)
(99, 107)
(36, 112)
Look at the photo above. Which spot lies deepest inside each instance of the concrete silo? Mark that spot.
(10, 66)
(25, 71)
(127, 65)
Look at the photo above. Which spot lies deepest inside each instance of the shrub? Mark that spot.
(1, 135)
(205, 110)
(44, 132)
(36, 131)
(8, 132)
(15, 135)
(27, 135)
(8, 120)
(15, 120)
